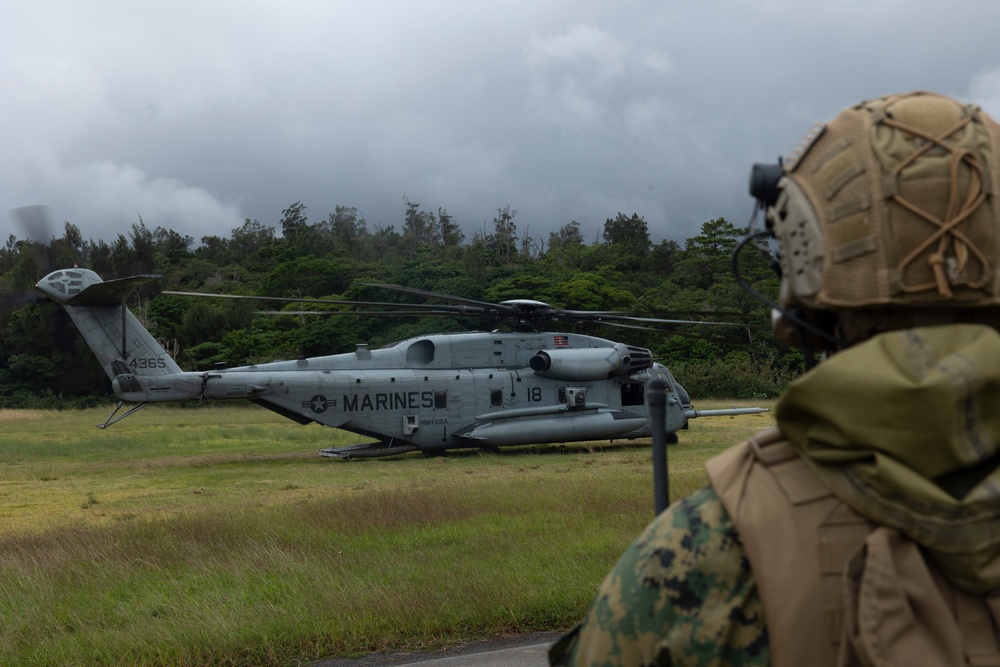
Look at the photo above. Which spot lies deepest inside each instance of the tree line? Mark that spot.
(44, 362)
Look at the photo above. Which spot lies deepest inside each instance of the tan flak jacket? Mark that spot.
(838, 590)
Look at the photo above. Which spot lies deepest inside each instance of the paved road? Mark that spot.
(528, 650)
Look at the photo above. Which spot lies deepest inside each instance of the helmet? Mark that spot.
(886, 218)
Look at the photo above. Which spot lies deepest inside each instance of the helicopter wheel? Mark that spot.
(672, 439)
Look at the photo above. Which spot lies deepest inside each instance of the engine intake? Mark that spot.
(591, 363)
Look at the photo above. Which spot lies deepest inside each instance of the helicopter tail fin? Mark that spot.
(97, 307)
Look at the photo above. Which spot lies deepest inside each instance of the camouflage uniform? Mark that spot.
(682, 594)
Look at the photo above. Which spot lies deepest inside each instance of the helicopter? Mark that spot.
(517, 385)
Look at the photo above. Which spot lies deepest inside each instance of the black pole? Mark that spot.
(656, 394)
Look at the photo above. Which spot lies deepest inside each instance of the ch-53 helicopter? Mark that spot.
(522, 385)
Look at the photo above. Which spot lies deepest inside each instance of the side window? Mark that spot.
(632, 394)
(440, 400)
(496, 397)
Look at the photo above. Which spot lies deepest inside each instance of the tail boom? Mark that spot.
(183, 386)
(122, 345)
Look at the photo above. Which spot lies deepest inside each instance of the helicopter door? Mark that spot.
(431, 421)
(633, 393)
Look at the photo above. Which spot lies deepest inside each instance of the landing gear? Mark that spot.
(118, 406)
(366, 450)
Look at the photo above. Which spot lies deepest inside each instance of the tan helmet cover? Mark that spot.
(892, 204)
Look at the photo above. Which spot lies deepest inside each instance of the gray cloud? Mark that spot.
(196, 115)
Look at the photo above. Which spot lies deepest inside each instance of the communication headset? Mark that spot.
(809, 329)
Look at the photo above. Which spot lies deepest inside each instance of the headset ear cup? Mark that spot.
(786, 311)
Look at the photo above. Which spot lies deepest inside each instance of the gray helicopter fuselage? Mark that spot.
(445, 391)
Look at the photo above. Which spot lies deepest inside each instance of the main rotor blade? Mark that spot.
(510, 310)
(619, 325)
(705, 322)
(721, 339)
(331, 302)
(596, 316)
(408, 313)
(527, 311)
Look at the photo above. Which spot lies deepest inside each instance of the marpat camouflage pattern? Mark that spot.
(682, 594)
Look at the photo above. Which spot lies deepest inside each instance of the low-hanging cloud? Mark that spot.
(111, 197)
(197, 115)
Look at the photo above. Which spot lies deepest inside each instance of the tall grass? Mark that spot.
(218, 536)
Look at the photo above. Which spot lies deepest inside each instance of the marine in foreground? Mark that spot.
(863, 529)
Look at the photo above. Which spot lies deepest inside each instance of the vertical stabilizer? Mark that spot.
(121, 343)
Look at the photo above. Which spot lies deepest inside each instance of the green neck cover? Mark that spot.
(905, 429)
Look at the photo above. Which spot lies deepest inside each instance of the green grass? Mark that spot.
(219, 536)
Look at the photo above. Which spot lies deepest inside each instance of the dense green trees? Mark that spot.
(42, 361)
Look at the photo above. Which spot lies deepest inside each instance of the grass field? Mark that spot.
(219, 536)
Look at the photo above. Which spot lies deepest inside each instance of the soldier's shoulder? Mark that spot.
(692, 555)
(683, 593)
(690, 524)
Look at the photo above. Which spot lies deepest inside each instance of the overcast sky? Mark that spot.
(196, 115)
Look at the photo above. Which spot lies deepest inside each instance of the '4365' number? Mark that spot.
(146, 363)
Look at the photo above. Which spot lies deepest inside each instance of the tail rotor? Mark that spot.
(34, 256)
